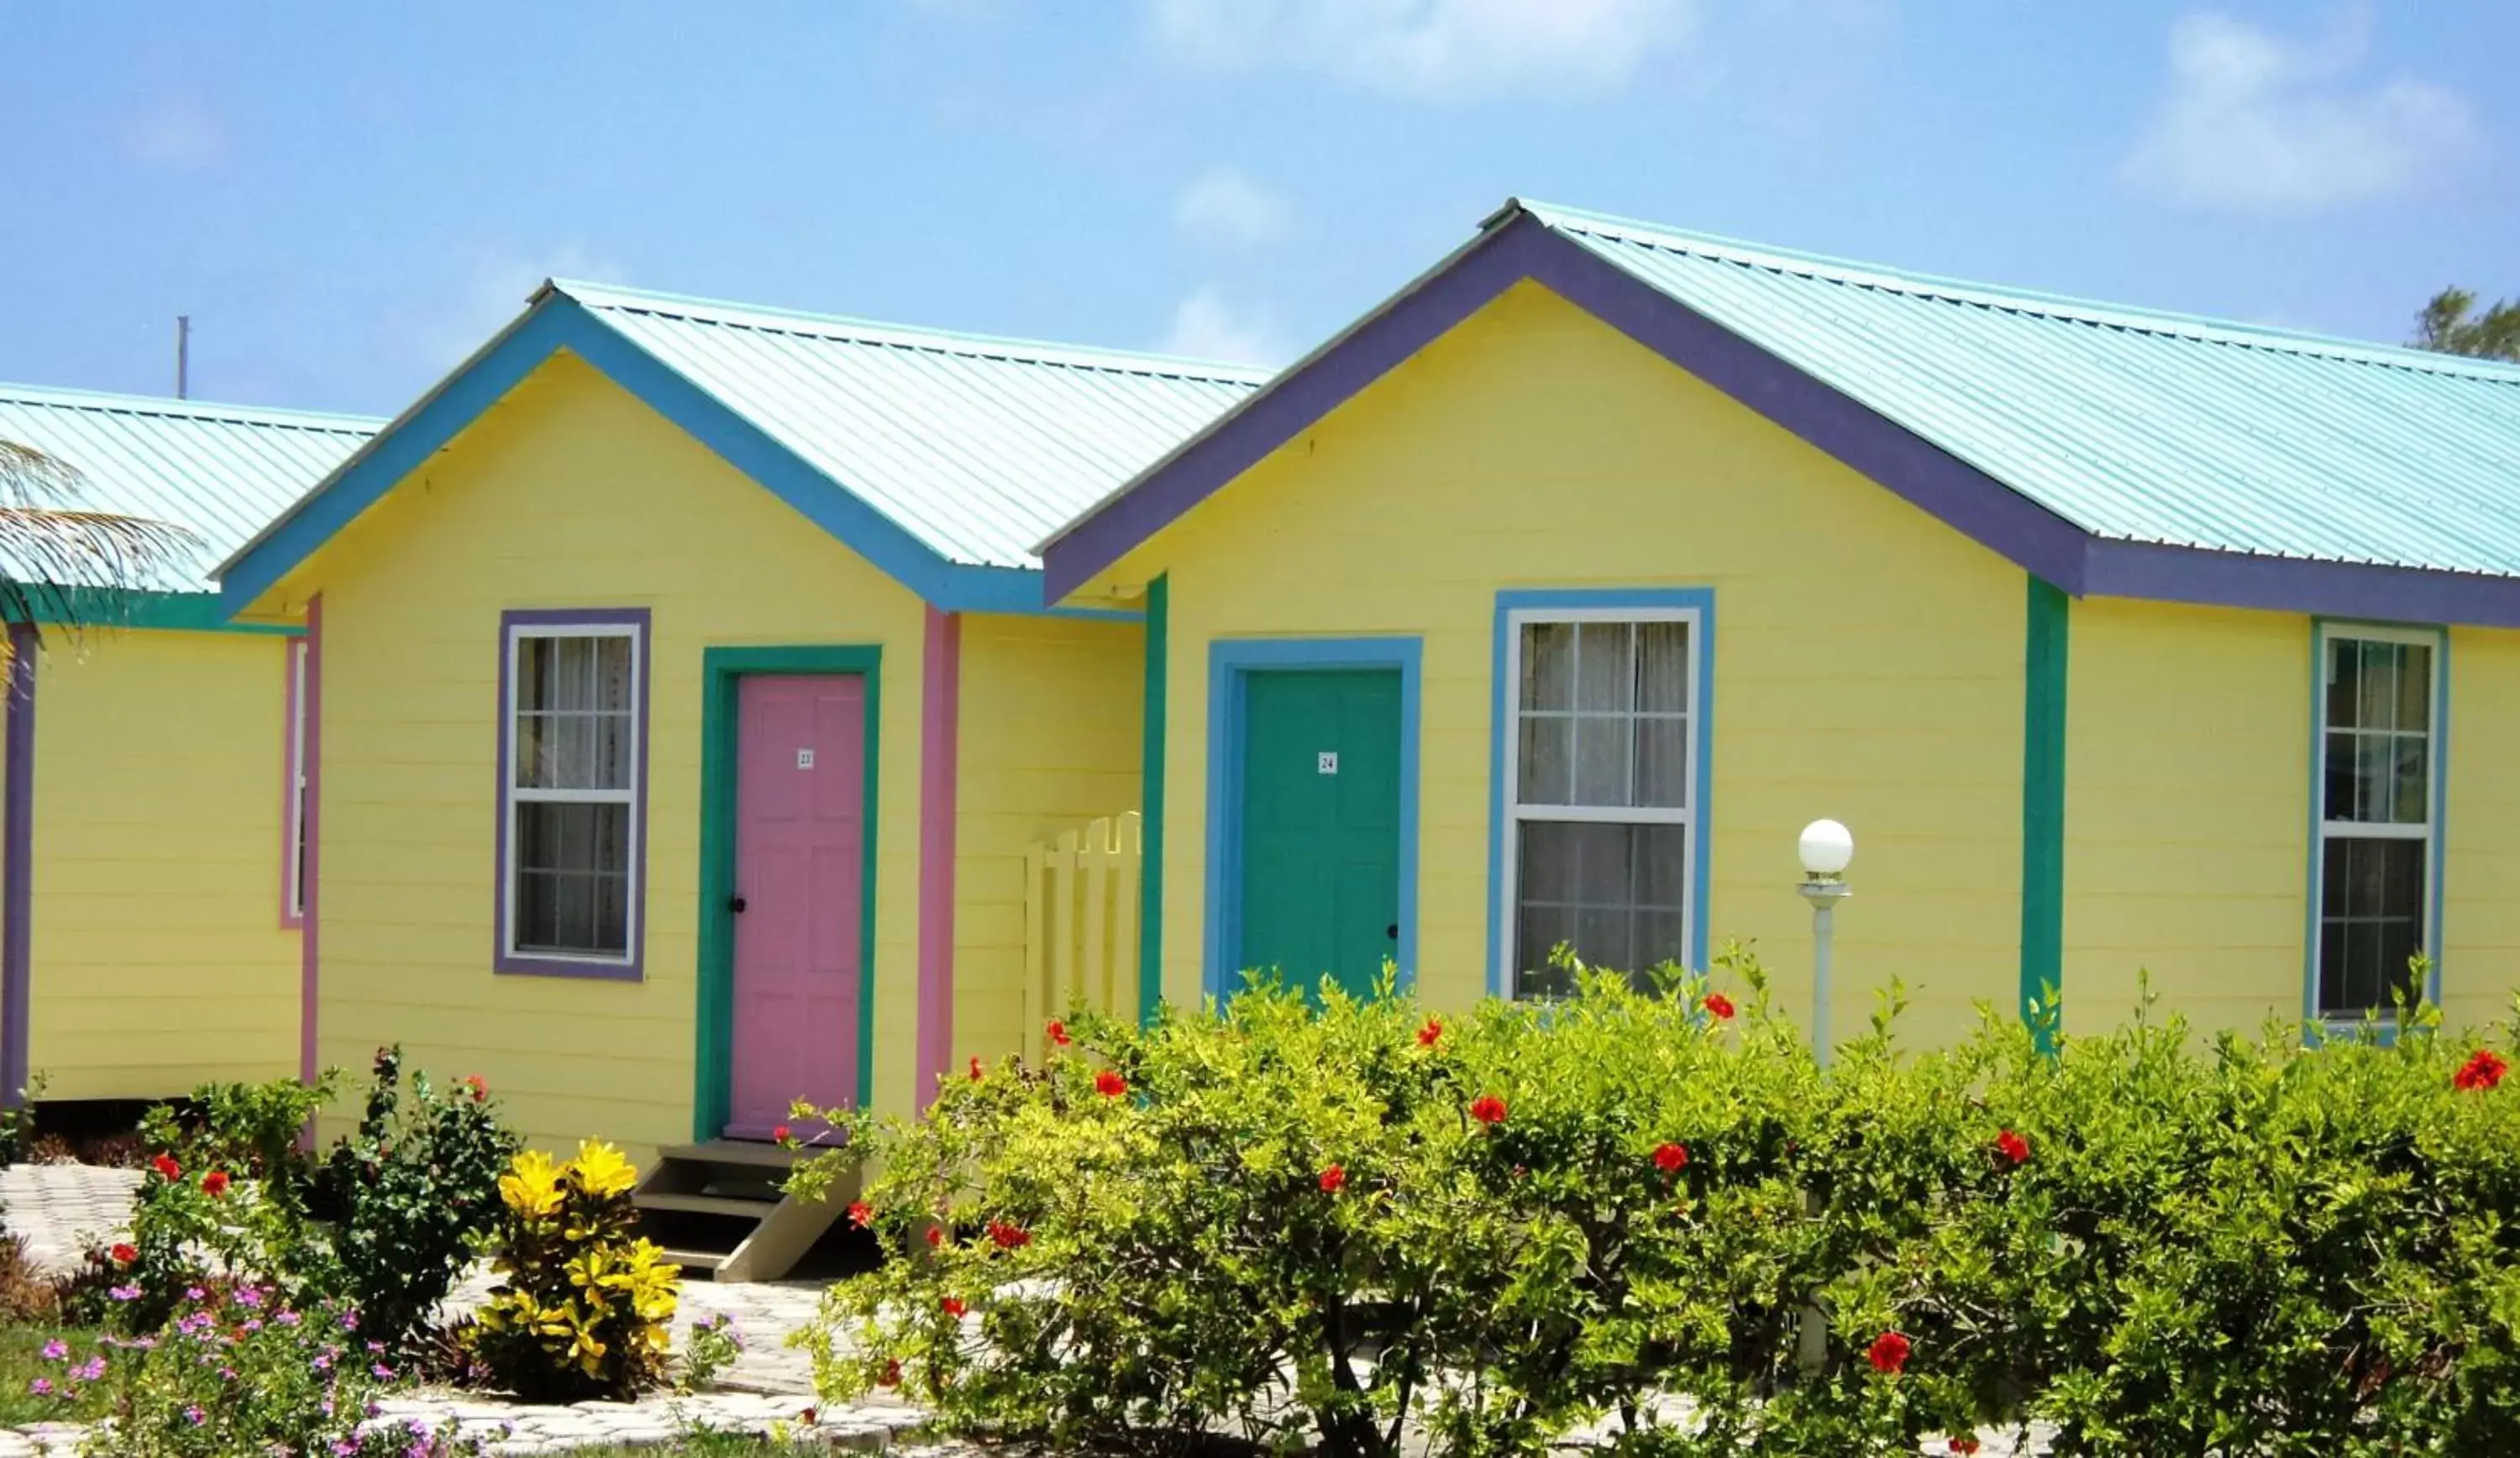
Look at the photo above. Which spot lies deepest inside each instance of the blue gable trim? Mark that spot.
(560, 322)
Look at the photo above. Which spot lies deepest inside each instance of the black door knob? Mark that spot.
(735, 904)
(1392, 931)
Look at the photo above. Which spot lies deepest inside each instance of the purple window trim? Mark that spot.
(1964, 498)
(292, 800)
(529, 964)
(17, 881)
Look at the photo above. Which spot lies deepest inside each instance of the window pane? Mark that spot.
(1662, 763)
(1662, 667)
(574, 704)
(1601, 760)
(2371, 923)
(1548, 665)
(1545, 773)
(2410, 801)
(2344, 680)
(572, 863)
(2414, 687)
(1606, 673)
(2377, 702)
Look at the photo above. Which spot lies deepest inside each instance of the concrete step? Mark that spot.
(716, 1204)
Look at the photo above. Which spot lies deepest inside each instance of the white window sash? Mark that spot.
(1510, 882)
(634, 748)
(295, 854)
(2333, 830)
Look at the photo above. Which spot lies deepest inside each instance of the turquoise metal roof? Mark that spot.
(2134, 426)
(977, 446)
(219, 471)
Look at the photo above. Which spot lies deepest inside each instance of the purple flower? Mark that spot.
(376, 1347)
(349, 1321)
(228, 1373)
(55, 1350)
(287, 1318)
(41, 1386)
(322, 1361)
(251, 1326)
(374, 1407)
(194, 1293)
(195, 1416)
(125, 1293)
(89, 1370)
(383, 1372)
(343, 1447)
(248, 1296)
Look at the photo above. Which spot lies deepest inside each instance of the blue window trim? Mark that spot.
(558, 322)
(2436, 849)
(1700, 600)
(1230, 663)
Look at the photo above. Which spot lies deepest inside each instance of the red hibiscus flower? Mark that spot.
(1110, 1084)
(1057, 1032)
(952, 1305)
(890, 1377)
(1427, 1034)
(1889, 1353)
(1334, 1177)
(1964, 1445)
(975, 1068)
(780, 1133)
(1487, 1108)
(479, 1085)
(860, 1214)
(1671, 1158)
(2014, 1149)
(166, 1166)
(123, 1255)
(936, 1235)
(215, 1183)
(810, 1416)
(1720, 1006)
(2483, 1069)
(1009, 1237)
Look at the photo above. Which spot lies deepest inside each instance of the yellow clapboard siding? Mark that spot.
(159, 961)
(1867, 659)
(569, 494)
(2481, 887)
(1051, 735)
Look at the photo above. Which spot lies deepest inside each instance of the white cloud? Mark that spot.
(1207, 328)
(1431, 49)
(177, 133)
(1221, 206)
(2260, 122)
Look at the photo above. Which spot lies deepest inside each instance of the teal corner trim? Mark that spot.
(721, 671)
(2043, 799)
(128, 608)
(1150, 819)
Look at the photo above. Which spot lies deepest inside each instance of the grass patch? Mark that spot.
(22, 1363)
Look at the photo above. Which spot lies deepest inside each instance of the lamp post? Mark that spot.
(1827, 847)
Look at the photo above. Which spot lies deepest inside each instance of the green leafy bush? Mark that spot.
(414, 1190)
(1334, 1222)
(584, 1307)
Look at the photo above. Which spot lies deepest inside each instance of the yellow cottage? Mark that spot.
(1550, 601)
(150, 901)
(684, 705)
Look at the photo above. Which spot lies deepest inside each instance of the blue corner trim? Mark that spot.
(1230, 662)
(560, 322)
(1700, 600)
(2437, 844)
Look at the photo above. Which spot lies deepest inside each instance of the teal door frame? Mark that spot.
(1230, 662)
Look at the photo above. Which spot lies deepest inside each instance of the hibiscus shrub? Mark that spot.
(1333, 1222)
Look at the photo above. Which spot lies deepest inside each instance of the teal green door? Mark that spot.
(1320, 825)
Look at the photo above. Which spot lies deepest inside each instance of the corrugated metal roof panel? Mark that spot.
(978, 447)
(219, 471)
(2132, 425)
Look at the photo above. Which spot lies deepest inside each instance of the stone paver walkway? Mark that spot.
(61, 1210)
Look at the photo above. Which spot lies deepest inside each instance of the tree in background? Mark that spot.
(2450, 324)
(62, 562)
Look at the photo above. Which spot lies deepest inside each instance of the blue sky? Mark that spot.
(349, 197)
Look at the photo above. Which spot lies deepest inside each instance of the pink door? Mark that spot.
(800, 851)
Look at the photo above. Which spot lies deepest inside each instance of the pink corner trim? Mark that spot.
(939, 739)
(308, 983)
(293, 660)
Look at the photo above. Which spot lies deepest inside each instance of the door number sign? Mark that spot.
(804, 759)
(1329, 759)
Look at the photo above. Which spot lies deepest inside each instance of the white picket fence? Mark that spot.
(1081, 925)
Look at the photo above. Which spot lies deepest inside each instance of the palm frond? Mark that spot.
(64, 564)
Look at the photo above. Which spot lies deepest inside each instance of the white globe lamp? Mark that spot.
(1826, 849)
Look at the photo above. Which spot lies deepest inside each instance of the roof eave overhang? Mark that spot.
(1519, 245)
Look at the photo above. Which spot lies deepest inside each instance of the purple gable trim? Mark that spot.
(1959, 495)
(18, 880)
(501, 959)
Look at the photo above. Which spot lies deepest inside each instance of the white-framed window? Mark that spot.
(1600, 790)
(293, 849)
(2378, 765)
(572, 778)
